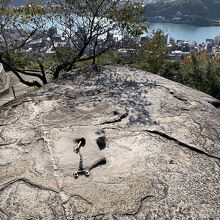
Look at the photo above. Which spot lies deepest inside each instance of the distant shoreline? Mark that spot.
(187, 32)
(182, 22)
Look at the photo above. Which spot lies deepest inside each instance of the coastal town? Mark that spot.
(48, 41)
(178, 49)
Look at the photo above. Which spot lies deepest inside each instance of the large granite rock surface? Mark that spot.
(152, 147)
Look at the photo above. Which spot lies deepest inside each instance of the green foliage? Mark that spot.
(170, 70)
(18, 59)
(109, 57)
(23, 61)
(199, 72)
(154, 52)
(127, 16)
(202, 73)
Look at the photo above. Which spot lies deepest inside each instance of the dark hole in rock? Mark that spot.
(101, 142)
(171, 162)
(115, 112)
(82, 140)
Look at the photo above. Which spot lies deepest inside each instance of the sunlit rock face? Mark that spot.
(3, 79)
(151, 147)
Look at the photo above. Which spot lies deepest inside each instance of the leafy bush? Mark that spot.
(199, 72)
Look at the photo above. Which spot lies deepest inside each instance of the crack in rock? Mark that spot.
(115, 120)
(141, 204)
(28, 182)
(190, 147)
(136, 211)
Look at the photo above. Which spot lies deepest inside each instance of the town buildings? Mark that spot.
(50, 40)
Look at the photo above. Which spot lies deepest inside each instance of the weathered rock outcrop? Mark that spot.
(152, 147)
(4, 81)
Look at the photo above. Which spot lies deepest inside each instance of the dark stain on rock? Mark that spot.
(101, 142)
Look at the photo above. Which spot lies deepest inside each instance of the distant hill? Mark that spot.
(22, 2)
(191, 11)
(197, 12)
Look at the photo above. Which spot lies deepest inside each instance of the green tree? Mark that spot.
(87, 25)
(155, 52)
(170, 70)
(19, 27)
(202, 73)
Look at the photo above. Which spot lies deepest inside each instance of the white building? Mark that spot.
(217, 40)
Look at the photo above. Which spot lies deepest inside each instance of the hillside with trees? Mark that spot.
(23, 2)
(196, 12)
